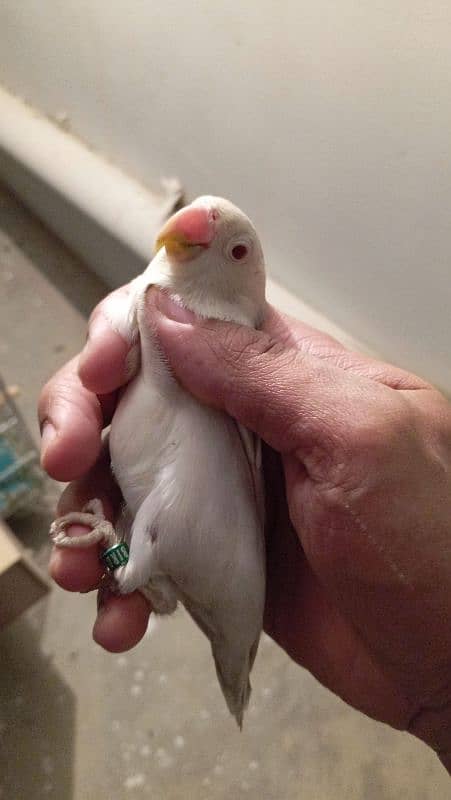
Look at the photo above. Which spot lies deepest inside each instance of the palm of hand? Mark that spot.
(346, 598)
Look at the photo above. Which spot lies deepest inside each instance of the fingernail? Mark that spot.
(172, 309)
(47, 436)
(98, 325)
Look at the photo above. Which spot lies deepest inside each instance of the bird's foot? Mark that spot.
(159, 592)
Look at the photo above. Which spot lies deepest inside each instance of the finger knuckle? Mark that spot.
(64, 390)
(55, 392)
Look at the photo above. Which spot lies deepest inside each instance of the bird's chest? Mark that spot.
(141, 439)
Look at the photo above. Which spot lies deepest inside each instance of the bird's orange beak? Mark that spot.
(184, 233)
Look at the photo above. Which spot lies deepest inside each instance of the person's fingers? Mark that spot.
(79, 569)
(354, 454)
(78, 400)
(97, 482)
(311, 341)
(108, 359)
(71, 420)
(121, 621)
(76, 569)
(287, 397)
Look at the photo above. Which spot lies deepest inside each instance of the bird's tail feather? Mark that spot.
(233, 666)
(234, 682)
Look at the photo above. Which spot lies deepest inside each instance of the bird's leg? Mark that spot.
(142, 570)
(102, 531)
(142, 539)
(161, 594)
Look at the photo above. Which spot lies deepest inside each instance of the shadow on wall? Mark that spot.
(81, 288)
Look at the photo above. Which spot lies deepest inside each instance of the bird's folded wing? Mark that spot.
(252, 447)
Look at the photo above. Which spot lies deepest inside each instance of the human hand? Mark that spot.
(72, 419)
(359, 503)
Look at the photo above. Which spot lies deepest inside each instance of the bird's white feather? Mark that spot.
(190, 475)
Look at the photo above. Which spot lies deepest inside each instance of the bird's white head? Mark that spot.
(209, 255)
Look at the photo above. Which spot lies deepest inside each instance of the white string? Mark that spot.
(91, 515)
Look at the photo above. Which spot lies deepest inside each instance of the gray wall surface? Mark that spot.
(329, 123)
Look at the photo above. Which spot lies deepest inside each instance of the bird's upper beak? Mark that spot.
(185, 232)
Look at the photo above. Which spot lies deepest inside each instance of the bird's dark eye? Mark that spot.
(239, 252)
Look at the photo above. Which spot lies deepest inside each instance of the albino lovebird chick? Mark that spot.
(190, 475)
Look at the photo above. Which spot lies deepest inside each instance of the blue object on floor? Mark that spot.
(12, 483)
(21, 479)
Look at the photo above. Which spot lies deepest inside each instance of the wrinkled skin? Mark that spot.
(358, 473)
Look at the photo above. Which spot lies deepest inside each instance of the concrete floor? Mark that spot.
(79, 724)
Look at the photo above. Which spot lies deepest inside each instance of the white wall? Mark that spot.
(329, 122)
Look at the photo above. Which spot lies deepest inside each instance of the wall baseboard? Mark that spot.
(106, 217)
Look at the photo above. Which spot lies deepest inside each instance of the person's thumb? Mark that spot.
(285, 396)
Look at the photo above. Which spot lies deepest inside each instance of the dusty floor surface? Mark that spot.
(79, 724)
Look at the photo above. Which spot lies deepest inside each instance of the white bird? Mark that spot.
(190, 475)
